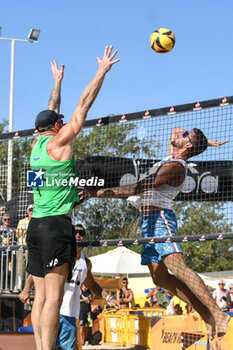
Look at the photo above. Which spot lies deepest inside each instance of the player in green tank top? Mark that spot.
(59, 193)
(50, 238)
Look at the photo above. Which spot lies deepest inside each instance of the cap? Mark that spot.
(30, 207)
(47, 118)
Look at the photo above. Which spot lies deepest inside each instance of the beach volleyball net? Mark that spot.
(117, 150)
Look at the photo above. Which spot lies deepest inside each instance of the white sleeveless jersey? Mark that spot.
(71, 300)
(162, 196)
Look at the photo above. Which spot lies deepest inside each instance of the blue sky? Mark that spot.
(75, 32)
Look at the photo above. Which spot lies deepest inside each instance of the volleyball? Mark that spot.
(162, 40)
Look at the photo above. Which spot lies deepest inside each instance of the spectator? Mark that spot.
(188, 308)
(170, 310)
(230, 298)
(7, 237)
(153, 296)
(2, 212)
(85, 312)
(125, 295)
(178, 309)
(220, 295)
(21, 240)
(159, 297)
(23, 225)
(147, 304)
(6, 233)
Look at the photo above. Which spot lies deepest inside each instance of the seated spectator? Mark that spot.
(220, 295)
(188, 308)
(147, 304)
(230, 298)
(178, 309)
(137, 305)
(182, 304)
(125, 295)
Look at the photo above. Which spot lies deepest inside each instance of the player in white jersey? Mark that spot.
(153, 195)
(70, 308)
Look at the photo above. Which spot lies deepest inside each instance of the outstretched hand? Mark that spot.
(105, 64)
(86, 193)
(57, 73)
(216, 143)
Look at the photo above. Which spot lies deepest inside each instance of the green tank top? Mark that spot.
(57, 192)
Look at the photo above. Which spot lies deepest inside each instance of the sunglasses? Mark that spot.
(81, 233)
(30, 209)
(186, 134)
(6, 219)
(60, 121)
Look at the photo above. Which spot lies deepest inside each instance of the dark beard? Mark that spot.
(173, 143)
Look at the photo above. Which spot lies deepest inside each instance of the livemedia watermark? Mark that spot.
(39, 179)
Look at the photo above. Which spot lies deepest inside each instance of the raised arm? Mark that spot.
(55, 97)
(74, 126)
(171, 173)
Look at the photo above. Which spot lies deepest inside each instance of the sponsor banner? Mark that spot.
(205, 181)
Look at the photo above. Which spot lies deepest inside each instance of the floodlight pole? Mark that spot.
(11, 114)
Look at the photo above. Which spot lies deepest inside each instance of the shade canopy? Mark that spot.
(119, 262)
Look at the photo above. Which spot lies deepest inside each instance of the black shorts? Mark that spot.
(51, 242)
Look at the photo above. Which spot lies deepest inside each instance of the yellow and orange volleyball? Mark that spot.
(162, 40)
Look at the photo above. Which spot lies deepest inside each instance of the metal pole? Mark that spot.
(11, 110)
(11, 114)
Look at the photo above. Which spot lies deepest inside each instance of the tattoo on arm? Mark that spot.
(55, 99)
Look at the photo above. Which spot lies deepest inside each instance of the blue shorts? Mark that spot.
(159, 223)
(67, 334)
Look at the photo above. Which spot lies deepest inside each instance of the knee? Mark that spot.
(54, 302)
(39, 299)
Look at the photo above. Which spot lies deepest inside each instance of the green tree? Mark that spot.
(205, 218)
(117, 140)
(21, 154)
